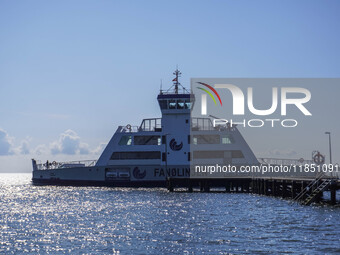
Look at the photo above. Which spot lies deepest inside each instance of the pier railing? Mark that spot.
(280, 161)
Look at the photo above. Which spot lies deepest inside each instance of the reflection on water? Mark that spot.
(63, 220)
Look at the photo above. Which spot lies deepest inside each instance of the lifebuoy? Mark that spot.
(54, 163)
(128, 126)
(318, 158)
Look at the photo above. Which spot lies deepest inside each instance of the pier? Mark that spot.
(303, 190)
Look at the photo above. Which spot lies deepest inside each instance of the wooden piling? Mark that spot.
(333, 194)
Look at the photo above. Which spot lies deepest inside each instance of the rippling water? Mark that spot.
(96, 220)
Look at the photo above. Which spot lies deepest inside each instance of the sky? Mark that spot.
(71, 72)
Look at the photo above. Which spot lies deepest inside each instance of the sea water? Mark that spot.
(102, 220)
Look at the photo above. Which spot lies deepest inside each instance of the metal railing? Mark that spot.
(60, 165)
(154, 124)
(205, 124)
(148, 125)
(280, 161)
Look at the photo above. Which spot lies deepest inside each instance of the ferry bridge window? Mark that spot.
(172, 104)
(180, 104)
(147, 140)
(128, 155)
(227, 139)
(125, 140)
(187, 104)
(206, 139)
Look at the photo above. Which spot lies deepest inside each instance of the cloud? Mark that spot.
(84, 148)
(6, 146)
(99, 148)
(69, 143)
(24, 146)
(41, 150)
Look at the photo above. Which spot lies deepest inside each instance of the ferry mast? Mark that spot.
(175, 80)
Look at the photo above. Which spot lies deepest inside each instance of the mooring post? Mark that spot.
(273, 188)
(333, 193)
(265, 188)
(170, 186)
(284, 188)
(207, 187)
(227, 186)
(293, 189)
(302, 188)
(190, 189)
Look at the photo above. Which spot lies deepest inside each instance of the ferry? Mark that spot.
(158, 149)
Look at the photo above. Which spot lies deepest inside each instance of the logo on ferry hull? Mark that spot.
(174, 146)
(138, 174)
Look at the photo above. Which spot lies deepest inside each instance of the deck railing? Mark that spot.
(67, 164)
(148, 125)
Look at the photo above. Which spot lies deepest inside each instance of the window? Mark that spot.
(163, 156)
(172, 104)
(147, 140)
(180, 104)
(128, 155)
(217, 154)
(175, 104)
(208, 154)
(237, 154)
(226, 139)
(125, 140)
(206, 139)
